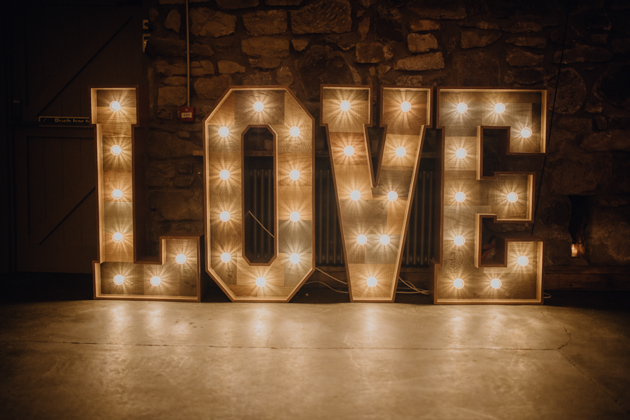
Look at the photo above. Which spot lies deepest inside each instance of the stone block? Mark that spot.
(172, 96)
(607, 236)
(208, 22)
(322, 17)
(258, 78)
(424, 25)
(284, 76)
(173, 20)
(525, 76)
(519, 58)
(175, 81)
(265, 46)
(476, 39)
(178, 204)
(299, 44)
(265, 62)
(374, 52)
(265, 22)
(571, 92)
(438, 9)
(211, 87)
(583, 54)
(421, 42)
(421, 62)
(532, 42)
(230, 67)
(201, 68)
(607, 141)
(320, 65)
(523, 27)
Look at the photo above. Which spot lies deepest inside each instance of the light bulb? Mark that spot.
(458, 283)
(115, 106)
(294, 131)
(362, 239)
(295, 216)
(226, 257)
(155, 280)
(261, 281)
(460, 197)
(224, 132)
(117, 237)
(348, 150)
(461, 153)
(499, 108)
(371, 281)
(224, 216)
(405, 106)
(259, 106)
(526, 132)
(459, 240)
(462, 107)
(495, 283)
(224, 174)
(116, 150)
(401, 151)
(294, 258)
(355, 195)
(119, 279)
(384, 240)
(512, 197)
(345, 105)
(294, 174)
(117, 194)
(180, 259)
(522, 260)
(392, 196)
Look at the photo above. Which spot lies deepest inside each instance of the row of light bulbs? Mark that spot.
(512, 197)
(495, 283)
(155, 280)
(499, 108)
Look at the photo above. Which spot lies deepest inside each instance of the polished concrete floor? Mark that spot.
(84, 359)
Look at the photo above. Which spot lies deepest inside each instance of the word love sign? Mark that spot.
(473, 263)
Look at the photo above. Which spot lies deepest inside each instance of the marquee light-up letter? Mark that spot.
(482, 129)
(374, 208)
(117, 273)
(277, 109)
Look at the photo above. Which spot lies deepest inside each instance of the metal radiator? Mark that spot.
(328, 247)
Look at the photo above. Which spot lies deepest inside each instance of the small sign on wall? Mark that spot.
(64, 121)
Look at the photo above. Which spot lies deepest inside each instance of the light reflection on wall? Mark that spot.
(479, 265)
(374, 213)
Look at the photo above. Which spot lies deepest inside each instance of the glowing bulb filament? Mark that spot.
(119, 279)
(295, 216)
(526, 132)
(224, 174)
(362, 239)
(115, 106)
(458, 283)
(496, 283)
(116, 150)
(117, 237)
(348, 150)
(156, 280)
(294, 131)
(384, 240)
(461, 153)
(459, 240)
(345, 106)
(261, 281)
(180, 259)
(371, 281)
(392, 196)
(512, 197)
(224, 216)
(405, 106)
(117, 194)
(226, 257)
(294, 258)
(401, 151)
(259, 106)
(355, 195)
(294, 174)
(523, 260)
(462, 107)
(499, 108)
(460, 197)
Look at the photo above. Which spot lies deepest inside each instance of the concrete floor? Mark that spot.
(133, 360)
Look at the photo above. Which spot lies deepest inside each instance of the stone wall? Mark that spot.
(491, 43)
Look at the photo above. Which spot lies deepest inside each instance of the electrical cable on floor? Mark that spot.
(412, 287)
(547, 296)
(328, 275)
(327, 285)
